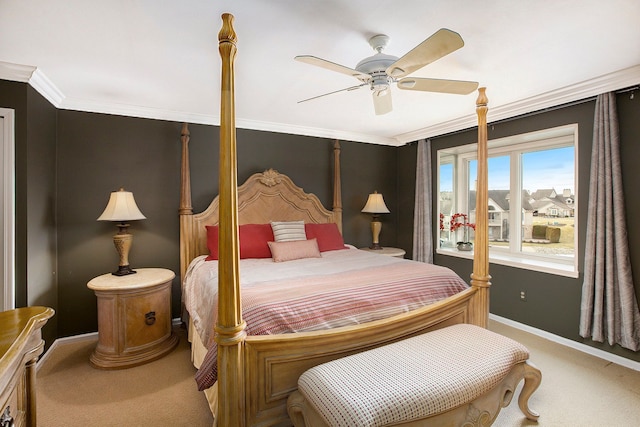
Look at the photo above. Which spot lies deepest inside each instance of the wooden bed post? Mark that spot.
(186, 210)
(337, 185)
(480, 278)
(230, 328)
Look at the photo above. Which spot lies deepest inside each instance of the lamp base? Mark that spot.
(376, 227)
(123, 270)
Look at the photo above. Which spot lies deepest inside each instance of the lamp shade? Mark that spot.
(121, 207)
(375, 204)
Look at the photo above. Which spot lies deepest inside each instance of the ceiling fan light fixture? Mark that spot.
(376, 63)
(380, 83)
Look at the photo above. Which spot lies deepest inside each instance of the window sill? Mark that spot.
(542, 265)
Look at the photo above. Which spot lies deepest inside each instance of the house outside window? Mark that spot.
(532, 214)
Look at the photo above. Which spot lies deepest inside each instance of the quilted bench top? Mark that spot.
(411, 379)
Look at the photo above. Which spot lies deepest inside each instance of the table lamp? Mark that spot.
(122, 208)
(375, 205)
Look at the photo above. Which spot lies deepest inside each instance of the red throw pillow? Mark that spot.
(253, 241)
(212, 242)
(327, 235)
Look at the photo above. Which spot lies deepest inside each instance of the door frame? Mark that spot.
(8, 206)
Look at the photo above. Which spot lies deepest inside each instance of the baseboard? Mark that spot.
(63, 341)
(619, 360)
(82, 337)
(610, 357)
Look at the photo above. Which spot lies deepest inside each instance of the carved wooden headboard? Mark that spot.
(264, 197)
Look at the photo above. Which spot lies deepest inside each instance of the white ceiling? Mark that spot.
(159, 59)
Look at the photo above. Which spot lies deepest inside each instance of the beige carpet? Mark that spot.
(71, 393)
(577, 390)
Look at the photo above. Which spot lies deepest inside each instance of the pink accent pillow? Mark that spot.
(253, 241)
(328, 236)
(294, 249)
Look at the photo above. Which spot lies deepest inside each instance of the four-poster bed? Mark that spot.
(256, 373)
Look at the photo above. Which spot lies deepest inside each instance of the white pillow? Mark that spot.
(287, 231)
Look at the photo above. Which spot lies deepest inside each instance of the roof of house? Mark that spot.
(501, 199)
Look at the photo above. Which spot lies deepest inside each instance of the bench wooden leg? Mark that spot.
(301, 413)
(532, 380)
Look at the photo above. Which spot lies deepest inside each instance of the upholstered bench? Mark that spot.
(455, 376)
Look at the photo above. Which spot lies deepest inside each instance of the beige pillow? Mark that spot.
(297, 249)
(286, 231)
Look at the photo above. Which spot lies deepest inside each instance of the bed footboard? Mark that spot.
(273, 363)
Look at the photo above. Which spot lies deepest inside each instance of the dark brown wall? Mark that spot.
(99, 153)
(67, 163)
(553, 302)
(89, 155)
(41, 206)
(35, 154)
(308, 161)
(14, 95)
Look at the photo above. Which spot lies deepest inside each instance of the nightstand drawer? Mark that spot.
(147, 318)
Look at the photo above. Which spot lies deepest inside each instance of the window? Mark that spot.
(532, 199)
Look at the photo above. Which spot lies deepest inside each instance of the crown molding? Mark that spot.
(16, 72)
(214, 119)
(609, 82)
(316, 132)
(35, 77)
(606, 83)
(46, 88)
(88, 106)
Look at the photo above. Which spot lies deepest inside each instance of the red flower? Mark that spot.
(455, 223)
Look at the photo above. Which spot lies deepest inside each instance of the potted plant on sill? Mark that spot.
(460, 220)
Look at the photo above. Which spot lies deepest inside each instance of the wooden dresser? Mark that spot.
(20, 346)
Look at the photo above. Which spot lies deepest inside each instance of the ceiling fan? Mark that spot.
(380, 70)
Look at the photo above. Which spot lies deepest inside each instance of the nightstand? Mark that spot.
(396, 252)
(134, 318)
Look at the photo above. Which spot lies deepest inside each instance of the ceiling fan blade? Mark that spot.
(382, 102)
(459, 87)
(335, 91)
(441, 43)
(323, 63)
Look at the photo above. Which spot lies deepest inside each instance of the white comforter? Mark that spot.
(200, 287)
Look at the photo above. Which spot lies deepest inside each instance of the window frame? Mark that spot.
(513, 146)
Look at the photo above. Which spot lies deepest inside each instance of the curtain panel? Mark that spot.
(609, 309)
(422, 222)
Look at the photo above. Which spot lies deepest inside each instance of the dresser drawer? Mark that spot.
(15, 406)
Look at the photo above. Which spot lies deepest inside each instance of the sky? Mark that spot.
(552, 168)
